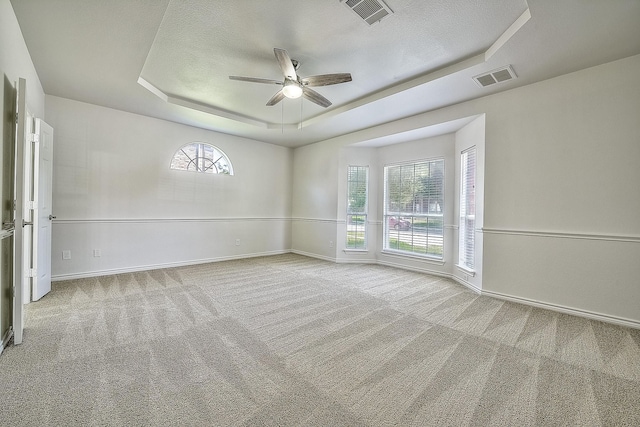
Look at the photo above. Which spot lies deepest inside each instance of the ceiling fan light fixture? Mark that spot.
(292, 89)
(293, 86)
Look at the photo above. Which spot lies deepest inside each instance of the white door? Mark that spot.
(42, 188)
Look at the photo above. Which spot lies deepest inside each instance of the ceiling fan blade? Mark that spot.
(255, 80)
(285, 63)
(315, 97)
(326, 79)
(279, 96)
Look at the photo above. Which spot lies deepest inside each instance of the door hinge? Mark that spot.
(32, 272)
(32, 204)
(35, 138)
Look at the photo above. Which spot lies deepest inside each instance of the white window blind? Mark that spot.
(467, 208)
(357, 193)
(413, 204)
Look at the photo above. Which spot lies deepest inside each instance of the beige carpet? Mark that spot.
(293, 341)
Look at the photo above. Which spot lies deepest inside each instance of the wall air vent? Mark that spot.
(370, 11)
(499, 75)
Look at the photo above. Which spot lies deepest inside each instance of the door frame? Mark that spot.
(18, 218)
(28, 212)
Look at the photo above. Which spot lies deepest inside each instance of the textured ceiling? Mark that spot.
(420, 58)
(200, 43)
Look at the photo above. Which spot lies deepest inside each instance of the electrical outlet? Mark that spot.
(97, 253)
(330, 243)
(66, 254)
(237, 242)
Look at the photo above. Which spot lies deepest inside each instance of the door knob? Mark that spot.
(51, 217)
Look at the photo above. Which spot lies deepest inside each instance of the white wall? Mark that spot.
(314, 198)
(15, 61)
(561, 193)
(113, 191)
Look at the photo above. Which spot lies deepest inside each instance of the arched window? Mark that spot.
(201, 157)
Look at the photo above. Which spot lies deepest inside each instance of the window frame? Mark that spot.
(199, 161)
(437, 219)
(350, 213)
(466, 220)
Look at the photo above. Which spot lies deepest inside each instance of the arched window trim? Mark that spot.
(201, 157)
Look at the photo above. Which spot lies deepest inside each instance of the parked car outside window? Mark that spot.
(399, 223)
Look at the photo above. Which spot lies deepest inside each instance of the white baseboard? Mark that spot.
(109, 272)
(467, 284)
(356, 261)
(566, 310)
(312, 255)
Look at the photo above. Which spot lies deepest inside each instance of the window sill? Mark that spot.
(467, 270)
(356, 250)
(416, 257)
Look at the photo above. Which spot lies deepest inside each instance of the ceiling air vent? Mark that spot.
(371, 11)
(500, 75)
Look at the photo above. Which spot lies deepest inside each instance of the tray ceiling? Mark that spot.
(171, 59)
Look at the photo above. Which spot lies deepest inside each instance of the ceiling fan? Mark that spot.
(293, 86)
